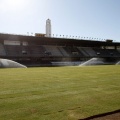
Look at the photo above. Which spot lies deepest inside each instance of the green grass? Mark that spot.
(58, 93)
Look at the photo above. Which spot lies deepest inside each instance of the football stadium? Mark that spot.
(67, 78)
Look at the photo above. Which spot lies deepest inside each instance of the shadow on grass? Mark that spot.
(101, 115)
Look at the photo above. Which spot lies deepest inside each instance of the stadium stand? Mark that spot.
(63, 51)
(72, 51)
(13, 50)
(85, 54)
(53, 50)
(114, 53)
(101, 52)
(48, 51)
(2, 50)
(90, 51)
(36, 50)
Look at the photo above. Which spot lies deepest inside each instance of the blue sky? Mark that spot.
(84, 18)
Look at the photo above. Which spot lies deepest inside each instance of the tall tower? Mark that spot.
(48, 28)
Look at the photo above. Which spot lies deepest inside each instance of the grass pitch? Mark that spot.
(58, 93)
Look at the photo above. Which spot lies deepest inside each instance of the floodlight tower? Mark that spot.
(48, 28)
